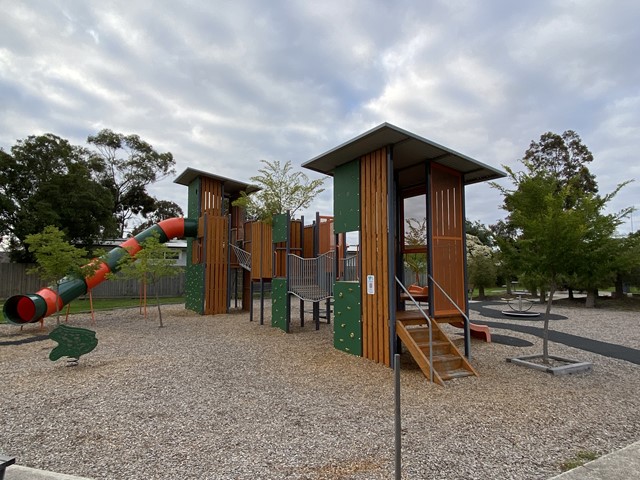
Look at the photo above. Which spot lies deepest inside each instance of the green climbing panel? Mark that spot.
(72, 342)
(193, 202)
(346, 197)
(194, 274)
(279, 225)
(194, 285)
(347, 325)
(279, 303)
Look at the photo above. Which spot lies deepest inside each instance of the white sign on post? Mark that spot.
(371, 284)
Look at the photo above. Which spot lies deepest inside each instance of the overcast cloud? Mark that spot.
(223, 84)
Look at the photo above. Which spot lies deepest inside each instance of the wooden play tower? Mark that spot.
(210, 261)
(377, 177)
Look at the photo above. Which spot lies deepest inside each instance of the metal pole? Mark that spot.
(398, 460)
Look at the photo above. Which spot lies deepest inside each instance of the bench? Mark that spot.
(4, 463)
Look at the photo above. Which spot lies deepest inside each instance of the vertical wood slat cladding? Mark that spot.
(216, 271)
(211, 192)
(448, 237)
(260, 246)
(373, 242)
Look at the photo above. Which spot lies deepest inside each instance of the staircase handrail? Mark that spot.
(466, 318)
(467, 322)
(426, 317)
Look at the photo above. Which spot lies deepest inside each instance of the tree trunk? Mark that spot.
(592, 294)
(543, 296)
(159, 309)
(619, 286)
(481, 294)
(545, 332)
(508, 287)
(570, 291)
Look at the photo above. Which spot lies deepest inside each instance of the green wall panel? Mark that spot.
(347, 324)
(194, 274)
(279, 226)
(194, 287)
(279, 303)
(346, 197)
(193, 202)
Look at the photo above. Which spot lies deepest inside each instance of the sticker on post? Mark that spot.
(371, 285)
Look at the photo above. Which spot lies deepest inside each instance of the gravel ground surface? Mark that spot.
(222, 398)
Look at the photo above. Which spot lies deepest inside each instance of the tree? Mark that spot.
(555, 243)
(416, 237)
(282, 190)
(627, 270)
(565, 158)
(56, 258)
(481, 267)
(127, 166)
(154, 261)
(164, 209)
(47, 181)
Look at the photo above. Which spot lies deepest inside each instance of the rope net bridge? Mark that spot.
(244, 257)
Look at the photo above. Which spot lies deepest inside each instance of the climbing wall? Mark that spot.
(347, 329)
(194, 274)
(346, 197)
(279, 304)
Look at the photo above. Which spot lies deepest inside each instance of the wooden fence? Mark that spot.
(15, 280)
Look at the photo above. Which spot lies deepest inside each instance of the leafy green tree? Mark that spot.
(57, 259)
(628, 265)
(555, 242)
(47, 181)
(153, 262)
(128, 165)
(480, 231)
(481, 266)
(416, 236)
(164, 209)
(565, 158)
(281, 190)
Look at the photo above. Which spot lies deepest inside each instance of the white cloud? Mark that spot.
(223, 85)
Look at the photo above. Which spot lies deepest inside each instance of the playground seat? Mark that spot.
(4, 463)
(418, 290)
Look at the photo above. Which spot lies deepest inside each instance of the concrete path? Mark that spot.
(620, 465)
(18, 472)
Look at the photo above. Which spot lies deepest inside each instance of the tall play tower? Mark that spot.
(210, 260)
(380, 178)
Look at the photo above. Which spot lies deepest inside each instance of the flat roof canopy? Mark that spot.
(231, 187)
(409, 150)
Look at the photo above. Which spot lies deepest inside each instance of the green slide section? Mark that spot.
(347, 328)
(279, 303)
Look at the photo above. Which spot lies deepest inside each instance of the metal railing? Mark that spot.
(311, 279)
(426, 317)
(464, 315)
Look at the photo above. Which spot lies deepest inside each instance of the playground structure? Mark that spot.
(379, 179)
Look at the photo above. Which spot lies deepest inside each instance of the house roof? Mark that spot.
(231, 187)
(409, 150)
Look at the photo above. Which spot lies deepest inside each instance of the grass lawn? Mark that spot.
(82, 305)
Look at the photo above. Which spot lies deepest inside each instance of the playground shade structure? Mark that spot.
(30, 308)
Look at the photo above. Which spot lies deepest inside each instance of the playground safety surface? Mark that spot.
(219, 397)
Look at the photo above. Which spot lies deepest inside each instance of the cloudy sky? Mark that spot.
(223, 84)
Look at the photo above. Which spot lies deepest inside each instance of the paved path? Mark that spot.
(611, 350)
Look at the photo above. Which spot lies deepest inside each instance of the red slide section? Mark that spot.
(477, 331)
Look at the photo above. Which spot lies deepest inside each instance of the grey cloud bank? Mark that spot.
(224, 84)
